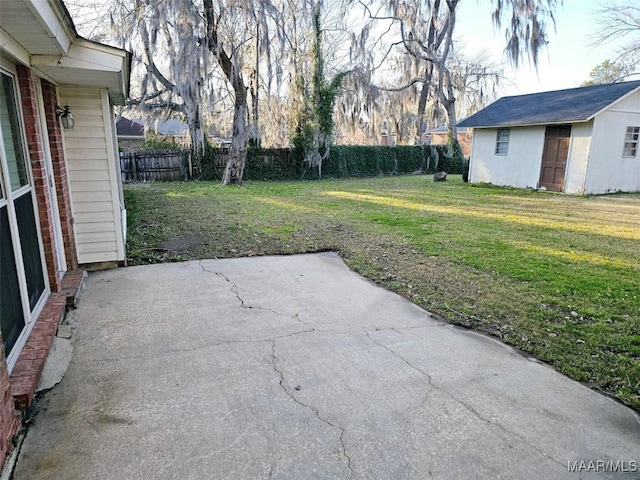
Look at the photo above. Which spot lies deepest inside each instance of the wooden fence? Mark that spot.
(154, 166)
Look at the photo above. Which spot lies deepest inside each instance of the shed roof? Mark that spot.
(558, 106)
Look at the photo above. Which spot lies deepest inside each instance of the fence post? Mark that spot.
(134, 168)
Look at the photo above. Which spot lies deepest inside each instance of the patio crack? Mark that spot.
(312, 408)
(419, 370)
(234, 289)
(465, 405)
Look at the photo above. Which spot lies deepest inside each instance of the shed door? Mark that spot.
(554, 157)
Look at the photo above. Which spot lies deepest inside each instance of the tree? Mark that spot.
(425, 32)
(606, 72)
(228, 54)
(620, 20)
(314, 124)
(194, 55)
(173, 74)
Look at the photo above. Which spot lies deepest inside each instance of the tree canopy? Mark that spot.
(277, 72)
(620, 21)
(606, 72)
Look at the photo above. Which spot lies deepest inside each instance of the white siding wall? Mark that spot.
(520, 168)
(579, 148)
(608, 170)
(93, 179)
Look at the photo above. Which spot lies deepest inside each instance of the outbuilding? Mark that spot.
(577, 141)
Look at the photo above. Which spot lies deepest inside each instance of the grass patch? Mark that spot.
(556, 276)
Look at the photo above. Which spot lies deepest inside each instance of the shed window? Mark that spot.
(502, 141)
(631, 142)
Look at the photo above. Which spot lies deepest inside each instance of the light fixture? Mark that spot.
(65, 116)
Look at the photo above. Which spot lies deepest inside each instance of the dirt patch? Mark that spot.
(184, 244)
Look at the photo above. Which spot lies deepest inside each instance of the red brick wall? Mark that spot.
(37, 157)
(8, 420)
(50, 97)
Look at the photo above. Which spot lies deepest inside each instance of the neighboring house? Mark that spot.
(61, 205)
(581, 140)
(172, 130)
(440, 136)
(388, 139)
(133, 133)
(130, 135)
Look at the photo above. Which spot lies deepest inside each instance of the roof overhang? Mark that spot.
(130, 137)
(523, 125)
(40, 34)
(611, 105)
(89, 64)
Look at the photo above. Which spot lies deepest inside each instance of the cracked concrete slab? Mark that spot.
(56, 364)
(297, 368)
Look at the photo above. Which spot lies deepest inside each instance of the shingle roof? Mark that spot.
(129, 128)
(559, 106)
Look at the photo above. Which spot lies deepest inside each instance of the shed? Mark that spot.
(578, 141)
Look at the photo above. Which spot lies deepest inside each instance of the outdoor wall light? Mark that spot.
(65, 116)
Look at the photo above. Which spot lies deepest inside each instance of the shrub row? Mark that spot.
(343, 161)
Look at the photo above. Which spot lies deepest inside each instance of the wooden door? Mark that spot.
(554, 157)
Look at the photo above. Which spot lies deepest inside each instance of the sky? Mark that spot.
(565, 63)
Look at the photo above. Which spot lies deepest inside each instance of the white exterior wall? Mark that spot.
(519, 168)
(608, 170)
(93, 176)
(578, 159)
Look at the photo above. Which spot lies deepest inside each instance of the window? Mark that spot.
(23, 285)
(502, 141)
(11, 134)
(631, 142)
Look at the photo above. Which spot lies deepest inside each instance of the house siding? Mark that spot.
(519, 168)
(579, 151)
(93, 179)
(608, 170)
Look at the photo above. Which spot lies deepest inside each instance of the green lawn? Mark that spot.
(557, 276)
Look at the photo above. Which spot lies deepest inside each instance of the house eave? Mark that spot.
(41, 27)
(612, 104)
(130, 137)
(89, 64)
(40, 34)
(520, 124)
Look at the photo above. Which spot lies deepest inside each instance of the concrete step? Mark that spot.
(72, 286)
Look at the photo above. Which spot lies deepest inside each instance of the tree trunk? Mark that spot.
(234, 169)
(238, 154)
(422, 102)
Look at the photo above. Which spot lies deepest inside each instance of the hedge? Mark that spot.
(343, 161)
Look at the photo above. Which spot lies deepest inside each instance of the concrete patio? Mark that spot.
(297, 368)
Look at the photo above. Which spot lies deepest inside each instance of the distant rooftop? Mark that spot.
(137, 127)
(558, 106)
(129, 128)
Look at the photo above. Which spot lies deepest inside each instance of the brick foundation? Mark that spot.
(18, 390)
(8, 419)
(27, 370)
